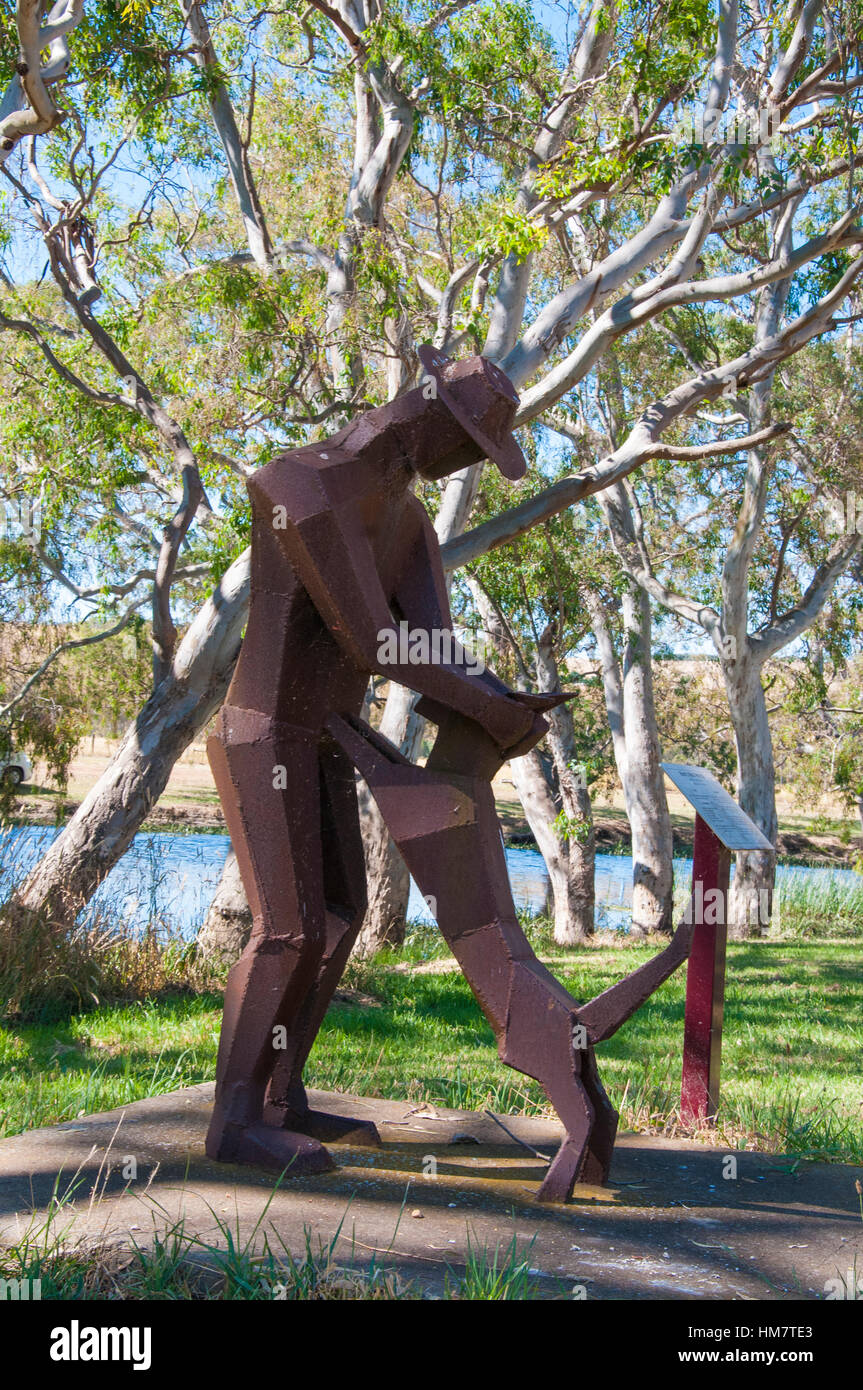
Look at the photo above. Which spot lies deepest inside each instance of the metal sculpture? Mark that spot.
(342, 551)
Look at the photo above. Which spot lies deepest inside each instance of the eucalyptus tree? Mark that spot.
(626, 662)
(830, 762)
(752, 556)
(533, 620)
(397, 171)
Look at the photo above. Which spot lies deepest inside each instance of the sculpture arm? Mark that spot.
(328, 552)
(421, 593)
(422, 596)
(331, 554)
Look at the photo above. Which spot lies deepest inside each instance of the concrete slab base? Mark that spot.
(679, 1220)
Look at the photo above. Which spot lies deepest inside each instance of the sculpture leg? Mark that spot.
(267, 778)
(446, 828)
(597, 1161)
(344, 872)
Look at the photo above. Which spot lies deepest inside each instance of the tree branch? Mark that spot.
(769, 640)
(66, 647)
(27, 107)
(236, 151)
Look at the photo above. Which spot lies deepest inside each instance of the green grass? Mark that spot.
(105, 1057)
(793, 1044)
(497, 1275)
(811, 907)
(791, 1077)
(173, 1264)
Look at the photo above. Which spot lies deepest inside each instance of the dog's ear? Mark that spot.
(541, 703)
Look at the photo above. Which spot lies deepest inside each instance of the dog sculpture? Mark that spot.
(342, 551)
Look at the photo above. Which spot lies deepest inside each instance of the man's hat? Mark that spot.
(485, 406)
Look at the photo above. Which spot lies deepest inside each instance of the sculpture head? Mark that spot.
(482, 401)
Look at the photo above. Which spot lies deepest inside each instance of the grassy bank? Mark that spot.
(791, 1066)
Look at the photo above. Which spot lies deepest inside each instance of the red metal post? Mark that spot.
(705, 980)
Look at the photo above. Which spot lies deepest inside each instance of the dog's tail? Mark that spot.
(603, 1015)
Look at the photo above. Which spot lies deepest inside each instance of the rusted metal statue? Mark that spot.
(342, 552)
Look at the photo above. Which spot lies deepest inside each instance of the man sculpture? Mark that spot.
(342, 551)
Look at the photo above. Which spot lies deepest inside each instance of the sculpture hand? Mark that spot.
(510, 727)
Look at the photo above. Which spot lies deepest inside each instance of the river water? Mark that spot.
(169, 879)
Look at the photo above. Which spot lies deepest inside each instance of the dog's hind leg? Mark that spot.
(445, 826)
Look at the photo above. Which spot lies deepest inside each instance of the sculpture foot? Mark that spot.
(278, 1150)
(595, 1170)
(330, 1129)
(561, 1177)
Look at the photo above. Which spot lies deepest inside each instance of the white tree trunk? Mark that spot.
(568, 850)
(644, 788)
(236, 152)
(105, 823)
(386, 873)
(574, 916)
(571, 894)
(612, 685)
(632, 719)
(388, 882)
(751, 897)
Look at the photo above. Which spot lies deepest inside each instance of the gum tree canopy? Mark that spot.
(226, 230)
